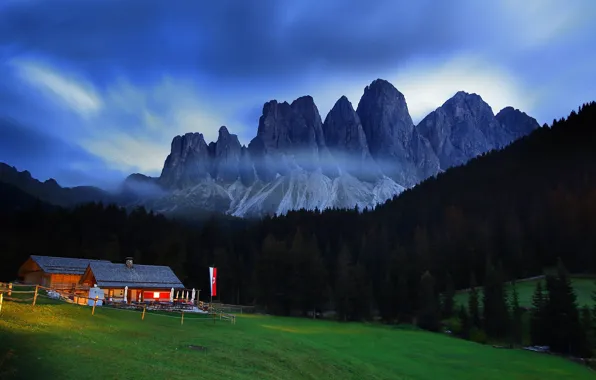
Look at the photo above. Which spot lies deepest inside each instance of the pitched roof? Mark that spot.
(110, 275)
(66, 265)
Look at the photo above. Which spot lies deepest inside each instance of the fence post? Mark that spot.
(94, 303)
(35, 296)
(182, 320)
(143, 316)
(9, 294)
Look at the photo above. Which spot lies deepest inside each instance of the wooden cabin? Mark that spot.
(141, 282)
(55, 272)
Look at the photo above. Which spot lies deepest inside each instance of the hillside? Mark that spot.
(67, 338)
(14, 199)
(584, 289)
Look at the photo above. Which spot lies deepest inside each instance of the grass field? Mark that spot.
(525, 289)
(62, 341)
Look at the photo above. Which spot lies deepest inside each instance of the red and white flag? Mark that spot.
(213, 277)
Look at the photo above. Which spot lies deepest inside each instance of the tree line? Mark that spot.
(505, 215)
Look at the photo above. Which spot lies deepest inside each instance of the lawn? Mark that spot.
(583, 286)
(62, 341)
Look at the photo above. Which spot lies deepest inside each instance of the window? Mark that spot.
(155, 294)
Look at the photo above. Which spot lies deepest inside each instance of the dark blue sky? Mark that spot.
(92, 90)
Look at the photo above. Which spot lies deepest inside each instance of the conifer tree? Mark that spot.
(516, 316)
(465, 322)
(428, 309)
(587, 324)
(563, 325)
(537, 320)
(496, 319)
(473, 303)
(447, 303)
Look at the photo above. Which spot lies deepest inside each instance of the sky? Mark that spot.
(94, 90)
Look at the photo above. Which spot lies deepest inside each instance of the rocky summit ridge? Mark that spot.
(355, 157)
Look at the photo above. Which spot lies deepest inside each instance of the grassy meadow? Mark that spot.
(63, 341)
(584, 288)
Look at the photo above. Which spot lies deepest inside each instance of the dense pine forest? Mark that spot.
(506, 215)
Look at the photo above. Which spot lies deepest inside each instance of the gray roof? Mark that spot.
(110, 275)
(65, 265)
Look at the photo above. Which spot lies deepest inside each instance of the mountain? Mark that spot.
(354, 158)
(49, 191)
(14, 199)
(465, 127)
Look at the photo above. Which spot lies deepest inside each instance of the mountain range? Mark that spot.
(354, 157)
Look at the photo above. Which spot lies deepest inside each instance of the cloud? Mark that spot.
(130, 126)
(76, 94)
(536, 23)
(231, 41)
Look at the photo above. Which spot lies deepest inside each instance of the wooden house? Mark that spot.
(141, 282)
(55, 272)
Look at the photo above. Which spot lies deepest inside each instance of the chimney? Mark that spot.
(129, 262)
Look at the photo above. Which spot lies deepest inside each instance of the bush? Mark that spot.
(454, 325)
(477, 335)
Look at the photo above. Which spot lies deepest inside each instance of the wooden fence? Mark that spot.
(14, 292)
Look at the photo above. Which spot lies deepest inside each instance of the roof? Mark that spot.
(111, 275)
(67, 265)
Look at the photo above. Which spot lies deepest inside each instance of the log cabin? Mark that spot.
(140, 282)
(54, 272)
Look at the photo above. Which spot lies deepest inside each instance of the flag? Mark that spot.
(213, 278)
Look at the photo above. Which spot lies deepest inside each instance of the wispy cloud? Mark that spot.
(536, 23)
(130, 126)
(75, 93)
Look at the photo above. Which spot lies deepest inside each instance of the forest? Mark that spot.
(506, 215)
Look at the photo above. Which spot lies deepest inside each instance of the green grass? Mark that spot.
(62, 341)
(584, 286)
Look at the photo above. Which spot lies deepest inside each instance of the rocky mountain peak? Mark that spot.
(385, 120)
(223, 132)
(343, 129)
(462, 128)
(226, 156)
(346, 140)
(516, 122)
(188, 161)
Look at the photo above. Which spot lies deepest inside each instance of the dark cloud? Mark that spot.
(228, 40)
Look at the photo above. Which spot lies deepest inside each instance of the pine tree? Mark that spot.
(473, 303)
(428, 310)
(447, 303)
(404, 306)
(344, 284)
(516, 317)
(565, 334)
(587, 323)
(496, 318)
(537, 322)
(594, 313)
(465, 322)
